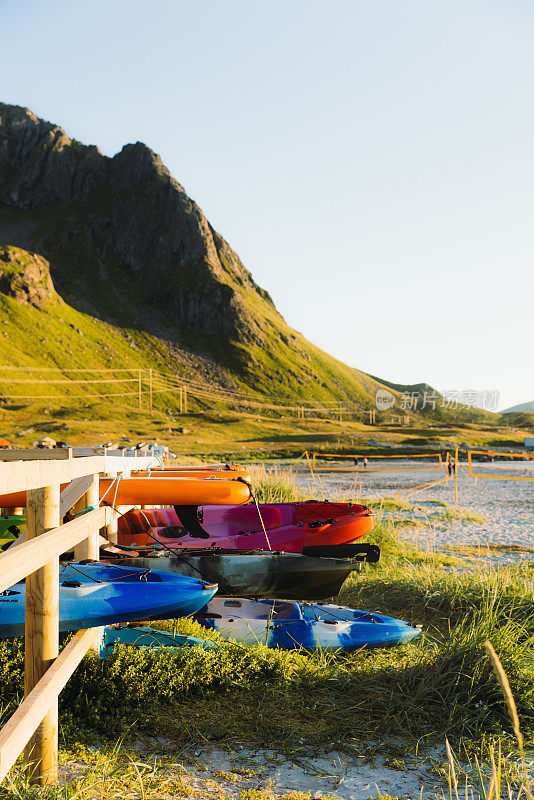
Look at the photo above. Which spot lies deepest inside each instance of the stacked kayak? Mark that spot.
(93, 594)
(260, 573)
(224, 471)
(166, 489)
(141, 637)
(310, 626)
(10, 529)
(208, 532)
(288, 527)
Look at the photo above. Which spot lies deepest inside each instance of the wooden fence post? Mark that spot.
(42, 633)
(139, 390)
(112, 527)
(185, 399)
(90, 547)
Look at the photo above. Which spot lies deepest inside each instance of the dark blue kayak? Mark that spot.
(96, 594)
(289, 625)
(143, 636)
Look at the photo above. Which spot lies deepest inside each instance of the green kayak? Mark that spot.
(10, 529)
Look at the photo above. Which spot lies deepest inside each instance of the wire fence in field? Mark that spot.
(143, 386)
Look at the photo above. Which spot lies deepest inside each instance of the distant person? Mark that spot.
(365, 462)
(355, 462)
(450, 467)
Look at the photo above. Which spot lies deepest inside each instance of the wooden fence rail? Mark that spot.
(34, 725)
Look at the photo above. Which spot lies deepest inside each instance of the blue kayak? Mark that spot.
(95, 593)
(312, 626)
(142, 636)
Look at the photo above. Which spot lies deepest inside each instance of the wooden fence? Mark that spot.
(34, 725)
(142, 386)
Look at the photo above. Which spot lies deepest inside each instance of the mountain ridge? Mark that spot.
(527, 407)
(127, 246)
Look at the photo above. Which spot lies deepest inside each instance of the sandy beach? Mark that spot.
(498, 511)
(244, 773)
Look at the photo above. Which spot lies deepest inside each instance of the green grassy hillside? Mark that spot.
(60, 344)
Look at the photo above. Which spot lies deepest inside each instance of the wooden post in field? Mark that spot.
(42, 633)
(456, 460)
(150, 390)
(185, 399)
(139, 390)
(181, 401)
(89, 548)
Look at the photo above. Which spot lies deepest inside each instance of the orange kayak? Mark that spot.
(194, 472)
(159, 491)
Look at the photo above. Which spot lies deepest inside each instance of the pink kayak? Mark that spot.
(288, 526)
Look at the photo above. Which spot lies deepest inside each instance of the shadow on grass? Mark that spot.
(441, 685)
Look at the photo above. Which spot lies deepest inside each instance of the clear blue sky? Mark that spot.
(371, 161)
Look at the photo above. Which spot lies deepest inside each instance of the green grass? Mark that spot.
(461, 515)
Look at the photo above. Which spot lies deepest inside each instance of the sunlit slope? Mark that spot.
(63, 337)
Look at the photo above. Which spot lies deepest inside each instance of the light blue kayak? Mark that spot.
(95, 593)
(145, 637)
(290, 625)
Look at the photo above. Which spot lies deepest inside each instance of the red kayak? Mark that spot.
(288, 526)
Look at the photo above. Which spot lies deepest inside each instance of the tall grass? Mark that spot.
(276, 485)
(500, 778)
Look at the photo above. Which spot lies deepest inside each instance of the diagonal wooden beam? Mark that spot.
(19, 728)
(71, 493)
(16, 563)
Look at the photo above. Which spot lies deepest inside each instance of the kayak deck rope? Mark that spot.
(262, 522)
(339, 511)
(98, 565)
(357, 615)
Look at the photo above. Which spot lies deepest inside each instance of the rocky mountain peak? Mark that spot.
(138, 157)
(124, 219)
(40, 166)
(25, 277)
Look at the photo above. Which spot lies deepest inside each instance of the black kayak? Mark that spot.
(258, 573)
